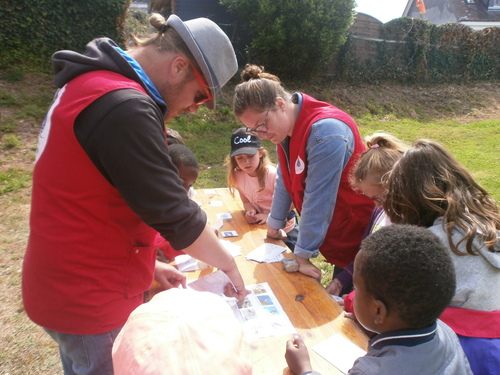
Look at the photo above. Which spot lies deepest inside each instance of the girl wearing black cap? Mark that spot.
(251, 173)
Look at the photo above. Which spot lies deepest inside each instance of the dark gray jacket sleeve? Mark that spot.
(122, 132)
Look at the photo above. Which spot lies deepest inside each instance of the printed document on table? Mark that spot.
(260, 313)
(213, 282)
(186, 263)
(267, 253)
(339, 351)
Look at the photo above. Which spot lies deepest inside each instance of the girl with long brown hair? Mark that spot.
(428, 187)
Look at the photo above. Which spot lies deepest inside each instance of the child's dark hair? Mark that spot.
(410, 270)
(182, 156)
(173, 137)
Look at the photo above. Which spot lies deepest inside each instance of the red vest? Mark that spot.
(352, 210)
(89, 257)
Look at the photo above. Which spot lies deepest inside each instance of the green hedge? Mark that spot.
(294, 39)
(32, 30)
(416, 51)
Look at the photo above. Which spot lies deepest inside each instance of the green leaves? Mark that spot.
(31, 31)
(416, 51)
(294, 39)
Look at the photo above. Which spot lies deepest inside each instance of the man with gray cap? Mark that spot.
(104, 184)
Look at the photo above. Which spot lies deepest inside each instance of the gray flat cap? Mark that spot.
(211, 48)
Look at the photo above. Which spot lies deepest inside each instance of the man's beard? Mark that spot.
(170, 96)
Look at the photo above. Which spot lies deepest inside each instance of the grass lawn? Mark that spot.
(470, 129)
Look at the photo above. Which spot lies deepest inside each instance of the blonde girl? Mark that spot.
(383, 151)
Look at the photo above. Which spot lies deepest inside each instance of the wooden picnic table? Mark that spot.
(312, 311)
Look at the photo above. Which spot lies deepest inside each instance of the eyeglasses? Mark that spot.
(260, 128)
(206, 95)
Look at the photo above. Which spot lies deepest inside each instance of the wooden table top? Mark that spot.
(312, 311)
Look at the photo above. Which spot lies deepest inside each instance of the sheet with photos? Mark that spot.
(260, 313)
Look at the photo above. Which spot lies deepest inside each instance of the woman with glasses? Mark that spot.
(317, 146)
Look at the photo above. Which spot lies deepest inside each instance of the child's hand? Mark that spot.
(160, 256)
(168, 276)
(261, 218)
(335, 287)
(250, 216)
(297, 356)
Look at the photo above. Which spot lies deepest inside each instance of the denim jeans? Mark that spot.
(85, 354)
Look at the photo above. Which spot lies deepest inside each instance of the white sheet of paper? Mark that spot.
(232, 248)
(339, 351)
(260, 314)
(216, 203)
(337, 298)
(218, 224)
(186, 263)
(213, 282)
(267, 253)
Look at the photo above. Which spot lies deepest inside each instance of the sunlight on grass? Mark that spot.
(326, 269)
(14, 179)
(475, 145)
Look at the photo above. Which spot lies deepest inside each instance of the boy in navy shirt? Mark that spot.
(404, 279)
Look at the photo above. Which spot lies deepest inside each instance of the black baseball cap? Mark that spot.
(243, 143)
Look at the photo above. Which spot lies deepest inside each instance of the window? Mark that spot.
(494, 5)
